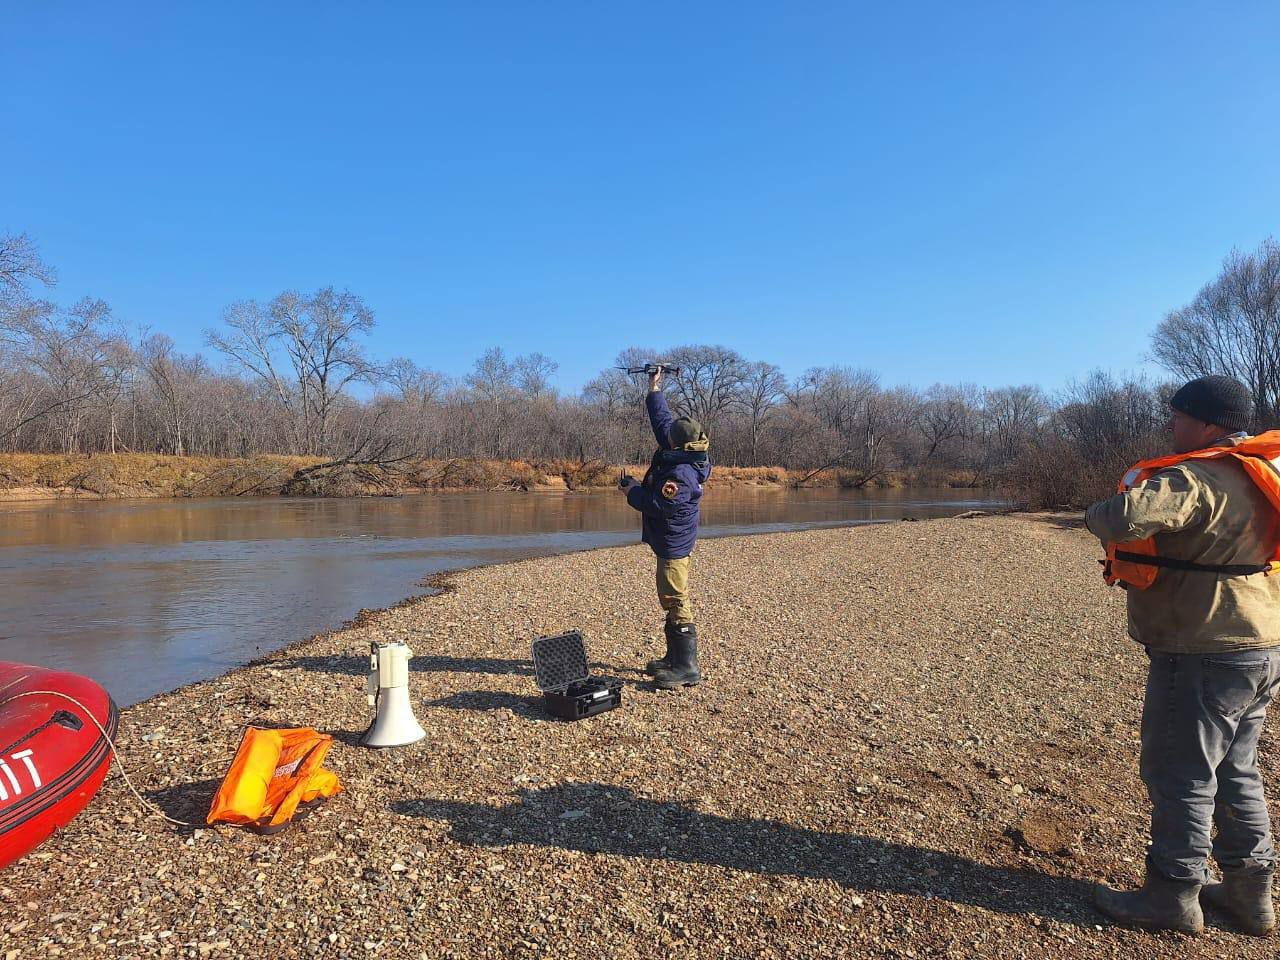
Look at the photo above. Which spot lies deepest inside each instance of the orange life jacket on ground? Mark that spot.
(273, 773)
(1136, 564)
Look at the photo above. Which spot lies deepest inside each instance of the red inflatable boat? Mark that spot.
(53, 756)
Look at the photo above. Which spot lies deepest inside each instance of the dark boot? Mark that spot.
(682, 671)
(1161, 904)
(1244, 896)
(653, 666)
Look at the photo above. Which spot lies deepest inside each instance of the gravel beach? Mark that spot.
(915, 740)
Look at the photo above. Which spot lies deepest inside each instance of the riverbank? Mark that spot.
(904, 748)
(103, 476)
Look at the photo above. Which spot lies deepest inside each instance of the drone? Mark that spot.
(649, 369)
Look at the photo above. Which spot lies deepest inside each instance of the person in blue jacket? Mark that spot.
(669, 499)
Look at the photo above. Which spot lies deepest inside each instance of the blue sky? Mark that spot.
(991, 193)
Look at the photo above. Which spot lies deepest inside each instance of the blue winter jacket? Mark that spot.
(670, 496)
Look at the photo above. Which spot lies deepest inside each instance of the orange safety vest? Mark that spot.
(1136, 564)
(273, 773)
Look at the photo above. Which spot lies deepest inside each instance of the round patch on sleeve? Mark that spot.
(670, 489)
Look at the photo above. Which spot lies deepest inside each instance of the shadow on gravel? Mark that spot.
(350, 738)
(342, 666)
(421, 663)
(595, 818)
(1059, 521)
(189, 802)
(424, 663)
(484, 700)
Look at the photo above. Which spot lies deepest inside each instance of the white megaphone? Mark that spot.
(394, 724)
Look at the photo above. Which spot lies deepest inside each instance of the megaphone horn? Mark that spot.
(394, 724)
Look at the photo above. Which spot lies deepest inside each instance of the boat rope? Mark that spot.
(110, 743)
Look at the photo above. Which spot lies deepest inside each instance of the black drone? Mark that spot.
(649, 369)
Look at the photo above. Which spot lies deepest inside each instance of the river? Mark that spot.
(148, 595)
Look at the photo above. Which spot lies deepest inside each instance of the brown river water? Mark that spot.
(148, 595)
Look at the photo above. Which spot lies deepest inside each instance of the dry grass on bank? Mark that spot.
(122, 475)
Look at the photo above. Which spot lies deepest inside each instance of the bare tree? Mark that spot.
(418, 394)
(253, 344)
(618, 399)
(1232, 327)
(1012, 416)
(709, 384)
(946, 414)
(372, 451)
(844, 418)
(835, 396)
(1099, 427)
(121, 369)
(72, 351)
(20, 265)
(325, 335)
(763, 386)
(493, 380)
(306, 350)
(1106, 417)
(176, 380)
(415, 386)
(533, 375)
(20, 393)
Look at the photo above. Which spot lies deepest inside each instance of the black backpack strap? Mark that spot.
(1171, 563)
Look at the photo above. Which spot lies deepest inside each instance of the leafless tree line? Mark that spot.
(294, 376)
(1231, 327)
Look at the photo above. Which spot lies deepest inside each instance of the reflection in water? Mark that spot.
(148, 595)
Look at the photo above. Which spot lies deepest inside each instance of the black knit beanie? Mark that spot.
(1221, 401)
(685, 430)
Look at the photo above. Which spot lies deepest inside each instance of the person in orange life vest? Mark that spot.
(1193, 538)
(669, 499)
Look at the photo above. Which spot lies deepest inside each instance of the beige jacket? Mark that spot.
(1205, 511)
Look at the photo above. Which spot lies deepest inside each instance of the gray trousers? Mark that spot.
(1200, 727)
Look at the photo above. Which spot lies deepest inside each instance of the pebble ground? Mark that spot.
(914, 740)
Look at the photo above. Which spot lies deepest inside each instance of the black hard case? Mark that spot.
(568, 690)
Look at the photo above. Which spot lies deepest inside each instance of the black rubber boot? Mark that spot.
(1244, 896)
(682, 659)
(1161, 904)
(653, 666)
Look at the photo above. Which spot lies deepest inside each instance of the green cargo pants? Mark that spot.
(673, 589)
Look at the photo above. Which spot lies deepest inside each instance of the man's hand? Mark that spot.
(655, 380)
(625, 483)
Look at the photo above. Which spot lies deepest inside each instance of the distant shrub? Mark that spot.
(1055, 474)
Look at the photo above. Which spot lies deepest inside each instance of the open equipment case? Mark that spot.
(568, 689)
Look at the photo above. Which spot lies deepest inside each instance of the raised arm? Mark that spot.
(1166, 501)
(659, 416)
